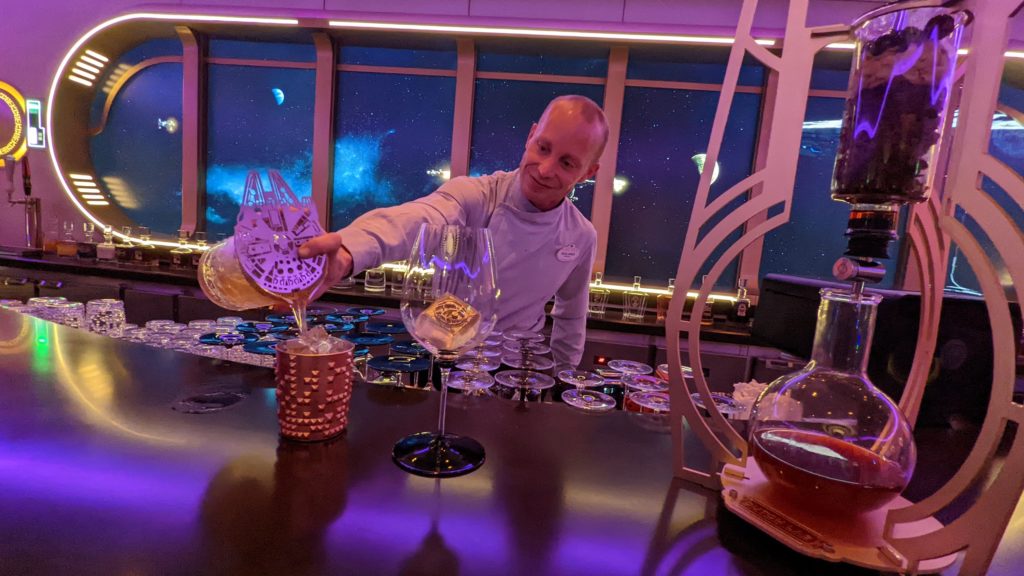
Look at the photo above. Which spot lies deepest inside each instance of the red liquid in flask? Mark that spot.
(826, 473)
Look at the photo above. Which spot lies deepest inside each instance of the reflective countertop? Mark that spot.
(98, 475)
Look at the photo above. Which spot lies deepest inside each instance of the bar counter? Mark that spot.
(99, 475)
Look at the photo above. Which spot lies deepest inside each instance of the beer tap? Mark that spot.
(33, 218)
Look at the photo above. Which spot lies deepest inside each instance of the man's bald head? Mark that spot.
(588, 111)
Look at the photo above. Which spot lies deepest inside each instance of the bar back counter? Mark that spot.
(99, 474)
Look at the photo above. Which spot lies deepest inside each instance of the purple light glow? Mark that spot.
(939, 88)
(435, 261)
(901, 67)
(77, 478)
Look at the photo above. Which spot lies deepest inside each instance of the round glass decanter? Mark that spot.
(824, 436)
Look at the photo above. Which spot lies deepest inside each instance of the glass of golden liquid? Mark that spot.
(449, 305)
(259, 265)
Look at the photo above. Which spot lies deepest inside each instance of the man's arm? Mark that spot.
(387, 234)
(569, 330)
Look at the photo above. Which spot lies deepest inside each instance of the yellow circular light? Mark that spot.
(12, 140)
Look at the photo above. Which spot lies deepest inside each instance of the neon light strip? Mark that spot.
(97, 203)
(97, 55)
(83, 73)
(496, 31)
(93, 61)
(84, 66)
(961, 51)
(79, 176)
(660, 291)
(61, 71)
(93, 196)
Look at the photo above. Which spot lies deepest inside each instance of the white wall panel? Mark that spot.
(572, 10)
(409, 7)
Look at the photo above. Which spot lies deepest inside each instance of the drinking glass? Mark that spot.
(449, 305)
(375, 280)
(68, 313)
(398, 277)
(580, 397)
(105, 316)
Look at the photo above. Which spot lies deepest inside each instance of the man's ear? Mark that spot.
(530, 135)
(589, 173)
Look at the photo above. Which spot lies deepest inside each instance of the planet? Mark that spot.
(698, 159)
(278, 95)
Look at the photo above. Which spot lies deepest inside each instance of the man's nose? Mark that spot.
(546, 167)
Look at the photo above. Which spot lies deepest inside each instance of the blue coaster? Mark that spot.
(261, 327)
(346, 318)
(364, 311)
(395, 363)
(337, 329)
(289, 319)
(384, 327)
(264, 347)
(410, 349)
(369, 339)
(227, 339)
(361, 351)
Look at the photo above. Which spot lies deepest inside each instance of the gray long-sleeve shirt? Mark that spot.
(539, 255)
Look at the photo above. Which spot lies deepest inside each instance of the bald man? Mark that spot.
(543, 245)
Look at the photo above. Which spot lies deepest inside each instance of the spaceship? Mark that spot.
(170, 124)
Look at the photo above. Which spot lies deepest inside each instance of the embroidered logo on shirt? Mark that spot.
(567, 253)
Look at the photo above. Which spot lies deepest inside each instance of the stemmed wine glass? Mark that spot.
(449, 304)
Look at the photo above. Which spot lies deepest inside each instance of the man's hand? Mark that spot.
(339, 259)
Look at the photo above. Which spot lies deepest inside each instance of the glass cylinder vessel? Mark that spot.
(899, 91)
(824, 436)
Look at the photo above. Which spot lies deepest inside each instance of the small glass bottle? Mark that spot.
(200, 239)
(741, 308)
(634, 303)
(86, 249)
(398, 277)
(123, 248)
(707, 316)
(52, 235)
(145, 254)
(181, 255)
(598, 297)
(661, 304)
(106, 250)
(67, 246)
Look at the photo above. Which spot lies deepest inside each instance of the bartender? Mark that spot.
(544, 246)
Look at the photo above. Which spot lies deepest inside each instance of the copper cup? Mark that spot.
(313, 392)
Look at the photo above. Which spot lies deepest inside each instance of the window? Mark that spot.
(664, 134)
(393, 140)
(258, 118)
(542, 58)
(136, 149)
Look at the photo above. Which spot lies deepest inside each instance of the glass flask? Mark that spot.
(824, 436)
(899, 90)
